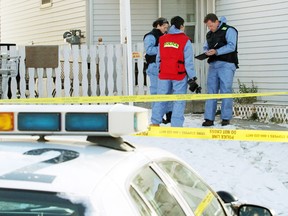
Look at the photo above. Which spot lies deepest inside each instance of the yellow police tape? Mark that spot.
(133, 98)
(217, 134)
(197, 133)
(204, 204)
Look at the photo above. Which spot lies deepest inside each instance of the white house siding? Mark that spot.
(25, 22)
(263, 43)
(106, 19)
(0, 26)
(143, 13)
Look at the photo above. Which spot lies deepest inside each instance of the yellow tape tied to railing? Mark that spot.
(134, 98)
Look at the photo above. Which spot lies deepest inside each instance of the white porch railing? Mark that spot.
(97, 70)
(92, 71)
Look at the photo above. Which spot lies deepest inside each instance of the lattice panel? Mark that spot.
(266, 113)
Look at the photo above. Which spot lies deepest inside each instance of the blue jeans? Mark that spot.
(159, 109)
(220, 78)
(152, 72)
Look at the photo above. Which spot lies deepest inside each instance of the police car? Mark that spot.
(71, 160)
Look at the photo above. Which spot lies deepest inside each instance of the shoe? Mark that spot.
(207, 123)
(225, 122)
(168, 118)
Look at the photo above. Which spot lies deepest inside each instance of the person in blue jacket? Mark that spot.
(175, 62)
(151, 40)
(221, 49)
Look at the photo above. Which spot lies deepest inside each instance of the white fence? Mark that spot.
(97, 70)
(100, 70)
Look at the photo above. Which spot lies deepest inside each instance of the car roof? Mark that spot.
(59, 148)
(85, 166)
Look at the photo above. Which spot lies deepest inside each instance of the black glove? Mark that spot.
(193, 86)
(198, 90)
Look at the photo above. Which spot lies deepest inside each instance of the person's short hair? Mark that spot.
(177, 21)
(211, 16)
(160, 21)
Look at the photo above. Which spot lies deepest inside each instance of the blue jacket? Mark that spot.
(231, 38)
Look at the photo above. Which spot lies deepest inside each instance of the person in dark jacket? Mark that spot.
(151, 40)
(221, 47)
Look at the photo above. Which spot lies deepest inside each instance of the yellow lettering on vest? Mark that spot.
(171, 44)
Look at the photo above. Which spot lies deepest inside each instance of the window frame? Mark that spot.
(45, 3)
(166, 180)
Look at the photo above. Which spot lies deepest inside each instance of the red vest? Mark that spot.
(172, 56)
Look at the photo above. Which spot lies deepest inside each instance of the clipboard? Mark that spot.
(201, 56)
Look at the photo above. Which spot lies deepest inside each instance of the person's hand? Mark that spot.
(211, 52)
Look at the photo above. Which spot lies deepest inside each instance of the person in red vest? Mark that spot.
(175, 61)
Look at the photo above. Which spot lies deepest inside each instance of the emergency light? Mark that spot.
(91, 120)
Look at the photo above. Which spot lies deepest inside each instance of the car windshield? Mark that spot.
(30, 203)
(197, 194)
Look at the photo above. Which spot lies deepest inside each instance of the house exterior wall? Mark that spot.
(143, 13)
(263, 43)
(106, 19)
(262, 26)
(26, 22)
(106, 13)
(0, 26)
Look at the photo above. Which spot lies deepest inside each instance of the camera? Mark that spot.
(193, 86)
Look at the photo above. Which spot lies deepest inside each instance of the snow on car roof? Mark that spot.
(57, 167)
(67, 165)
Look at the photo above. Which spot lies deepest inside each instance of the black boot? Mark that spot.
(168, 118)
(225, 122)
(207, 123)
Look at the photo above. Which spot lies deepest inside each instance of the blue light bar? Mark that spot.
(39, 121)
(97, 122)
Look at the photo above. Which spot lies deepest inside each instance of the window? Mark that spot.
(153, 194)
(142, 206)
(23, 202)
(46, 3)
(184, 8)
(197, 194)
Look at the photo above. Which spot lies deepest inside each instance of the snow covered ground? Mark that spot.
(255, 172)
